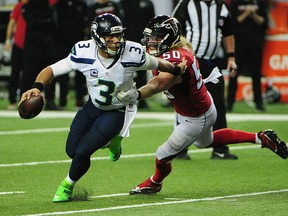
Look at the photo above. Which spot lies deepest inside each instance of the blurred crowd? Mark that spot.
(41, 33)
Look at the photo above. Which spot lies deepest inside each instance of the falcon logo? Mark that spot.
(170, 24)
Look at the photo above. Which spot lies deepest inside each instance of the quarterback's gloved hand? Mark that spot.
(129, 96)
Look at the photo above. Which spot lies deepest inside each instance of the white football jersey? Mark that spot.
(103, 83)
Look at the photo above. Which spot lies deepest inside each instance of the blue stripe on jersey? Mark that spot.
(132, 64)
(82, 60)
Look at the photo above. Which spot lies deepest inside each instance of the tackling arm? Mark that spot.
(176, 70)
(158, 84)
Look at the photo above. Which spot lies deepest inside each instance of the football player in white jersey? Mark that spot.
(108, 63)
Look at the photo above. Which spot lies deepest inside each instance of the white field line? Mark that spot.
(12, 192)
(50, 130)
(160, 116)
(122, 157)
(160, 203)
(154, 115)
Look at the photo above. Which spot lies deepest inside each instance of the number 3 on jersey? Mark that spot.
(107, 95)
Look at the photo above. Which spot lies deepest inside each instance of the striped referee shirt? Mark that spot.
(204, 23)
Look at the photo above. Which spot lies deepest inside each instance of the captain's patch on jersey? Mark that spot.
(94, 73)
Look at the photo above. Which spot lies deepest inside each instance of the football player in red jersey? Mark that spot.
(195, 110)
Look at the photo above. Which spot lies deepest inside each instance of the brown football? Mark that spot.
(28, 109)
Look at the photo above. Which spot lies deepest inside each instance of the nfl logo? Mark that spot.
(94, 73)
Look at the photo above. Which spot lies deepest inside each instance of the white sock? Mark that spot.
(70, 180)
(258, 140)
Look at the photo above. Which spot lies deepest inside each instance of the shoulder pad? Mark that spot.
(83, 52)
(133, 55)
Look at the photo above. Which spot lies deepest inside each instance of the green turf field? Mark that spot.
(33, 163)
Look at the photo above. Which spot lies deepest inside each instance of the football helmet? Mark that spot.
(108, 24)
(161, 33)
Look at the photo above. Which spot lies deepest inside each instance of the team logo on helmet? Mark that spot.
(170, 24)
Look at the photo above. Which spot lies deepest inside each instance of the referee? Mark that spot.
(206, 24)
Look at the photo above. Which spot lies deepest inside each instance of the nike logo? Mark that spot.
(272, 145)
(188, 121)
(221, 155)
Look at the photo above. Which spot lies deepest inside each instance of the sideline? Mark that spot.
(155, 115)
(160, 203)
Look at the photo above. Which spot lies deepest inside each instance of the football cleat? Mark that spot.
(271, 141)
(147, 187)
(64, 192)
(115, 148)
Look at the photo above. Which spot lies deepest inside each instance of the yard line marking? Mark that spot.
(160, 116)
(159, 203)
(12, 192)
(50, 130)
(122, 157)
(29, 131)
(153, 115)
(108, 195)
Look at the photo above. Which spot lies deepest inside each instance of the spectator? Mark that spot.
(137, 15)
(104, 6)
(249, 23)
(193, 105)
(206, 24)
(72, 26)
(108, 63)
(39, 46)
(15, 35)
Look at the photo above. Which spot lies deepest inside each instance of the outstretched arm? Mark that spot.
(175, 70)
(158, 84)
(43, 79)
(162, 82)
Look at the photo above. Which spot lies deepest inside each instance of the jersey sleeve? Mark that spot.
(150, 63)
(61, 67)
(134, 56)
(82, 55)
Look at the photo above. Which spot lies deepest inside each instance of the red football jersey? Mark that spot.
(190, 97)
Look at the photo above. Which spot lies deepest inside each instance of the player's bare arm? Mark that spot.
(176, 70)
(158, 84)
(43, 79)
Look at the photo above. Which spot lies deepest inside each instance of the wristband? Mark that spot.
(177, 70)
(230, 54)
(139, 95)
(38, 85)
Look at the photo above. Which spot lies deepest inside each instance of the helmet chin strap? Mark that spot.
(111, 52)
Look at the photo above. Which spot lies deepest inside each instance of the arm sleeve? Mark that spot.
(62, 67)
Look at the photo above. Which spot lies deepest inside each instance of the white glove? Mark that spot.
(129, 96)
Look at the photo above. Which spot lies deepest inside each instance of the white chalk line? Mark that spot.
(11, 192)
(122, 157)
(159, 203)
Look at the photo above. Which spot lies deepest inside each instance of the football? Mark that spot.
(28, 109)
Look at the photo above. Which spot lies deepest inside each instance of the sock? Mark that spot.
(258, 140)
(229, 136)
(162, 170)
(70, 181)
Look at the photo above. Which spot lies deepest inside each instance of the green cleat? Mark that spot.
(115, 148)
(64, 192)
